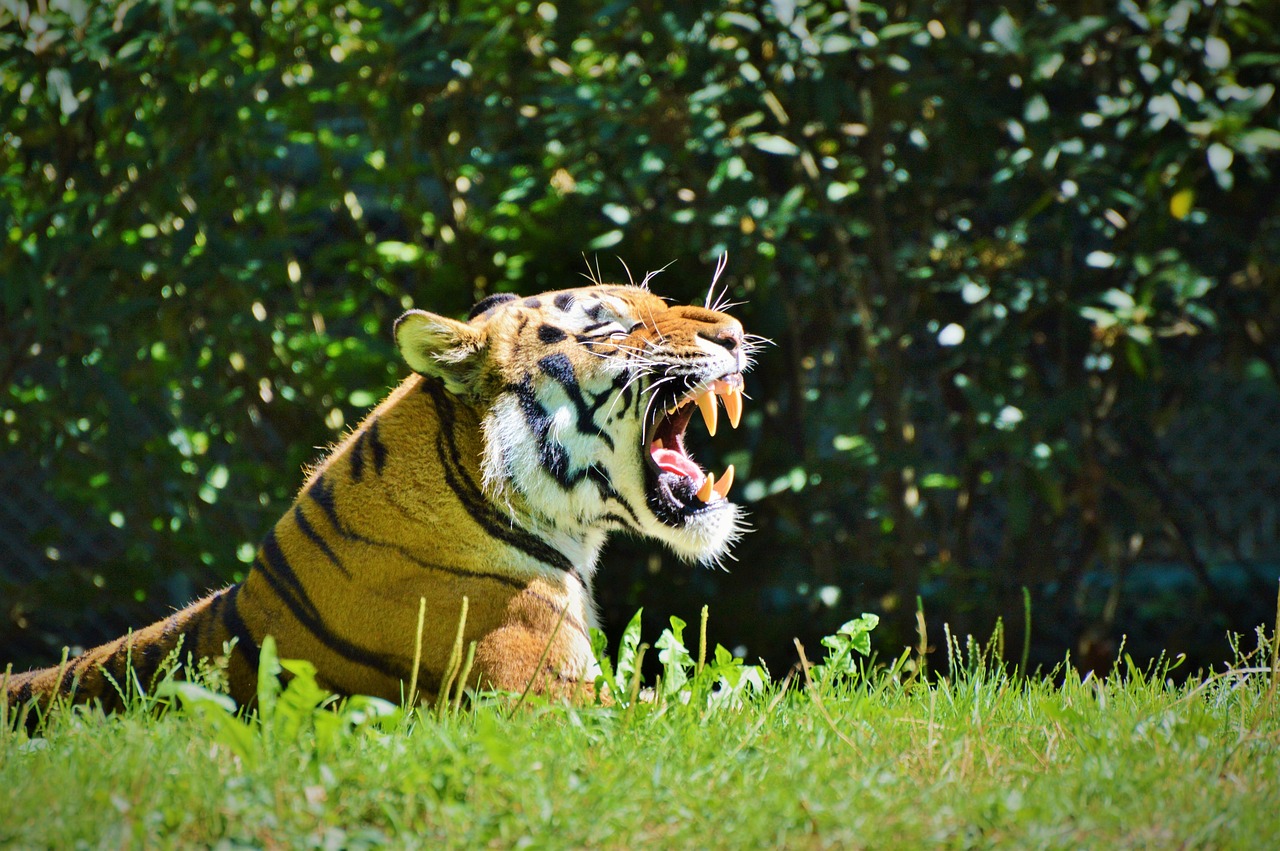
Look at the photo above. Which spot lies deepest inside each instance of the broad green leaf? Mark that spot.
(190, 694)
(675, 657)
(627, 646)
(600, 650)
(269, 671)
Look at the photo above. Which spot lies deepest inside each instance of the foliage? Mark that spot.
(284, 716)
(723, 680)
(1007, 251)
(1005, 760)
(853, 639)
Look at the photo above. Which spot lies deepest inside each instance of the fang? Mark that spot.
(710, 411)
(725, 482)
(708, 486)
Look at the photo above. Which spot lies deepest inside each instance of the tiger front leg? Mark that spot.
(518, 658)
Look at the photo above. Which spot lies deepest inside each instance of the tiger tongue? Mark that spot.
(677, 462)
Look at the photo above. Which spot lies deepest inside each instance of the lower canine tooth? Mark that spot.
(708, 485)
(726, 481)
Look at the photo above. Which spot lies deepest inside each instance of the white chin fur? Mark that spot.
(705, 538)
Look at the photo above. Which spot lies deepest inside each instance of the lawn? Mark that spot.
(850, 755)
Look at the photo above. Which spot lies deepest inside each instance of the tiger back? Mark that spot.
(493, 473)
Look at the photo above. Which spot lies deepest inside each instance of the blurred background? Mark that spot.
(1020, 260)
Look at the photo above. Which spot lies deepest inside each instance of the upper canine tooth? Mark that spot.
(722, 486)
(733, 405)
(710, 411)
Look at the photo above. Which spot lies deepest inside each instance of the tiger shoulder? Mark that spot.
(494, 472)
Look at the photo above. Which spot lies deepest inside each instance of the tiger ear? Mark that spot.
(441, 347)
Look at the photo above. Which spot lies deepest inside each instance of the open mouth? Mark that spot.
(678, 487)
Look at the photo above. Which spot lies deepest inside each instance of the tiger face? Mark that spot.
(585, 396)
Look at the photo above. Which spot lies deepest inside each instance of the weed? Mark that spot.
(713, 752)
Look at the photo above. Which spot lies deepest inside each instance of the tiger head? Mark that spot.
(584, 396)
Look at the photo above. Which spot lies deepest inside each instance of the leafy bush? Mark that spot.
(1010, 255)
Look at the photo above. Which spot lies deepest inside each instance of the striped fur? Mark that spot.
(494, 473)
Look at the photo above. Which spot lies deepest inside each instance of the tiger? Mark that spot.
(490, 477)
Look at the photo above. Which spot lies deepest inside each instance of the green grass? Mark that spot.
(878, 759)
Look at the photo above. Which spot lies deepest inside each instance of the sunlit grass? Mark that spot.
(853, 760)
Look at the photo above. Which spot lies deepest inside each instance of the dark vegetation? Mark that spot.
(1021, 262)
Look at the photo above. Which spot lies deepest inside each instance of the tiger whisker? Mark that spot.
(653, 324)
(617, 396)
(653, 395)
(721, 263)
(649, 276)
(592, 276)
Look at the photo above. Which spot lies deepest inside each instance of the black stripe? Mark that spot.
(319, 491)
(235, 625)
(77, 667)
(118, 662)
(209, 618)
(564, 301)
(173, 632)
(357, 457)
(280, 573)
(620, 381)
(68, 676)
(555, 459)
(558, 367)
(217, 616)
(321, 544)
(469, 493)
(552, 457)
(408, 555)
(151, 656)
(282, 579)
(378, 448)
(535, 416)
(607, 492)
